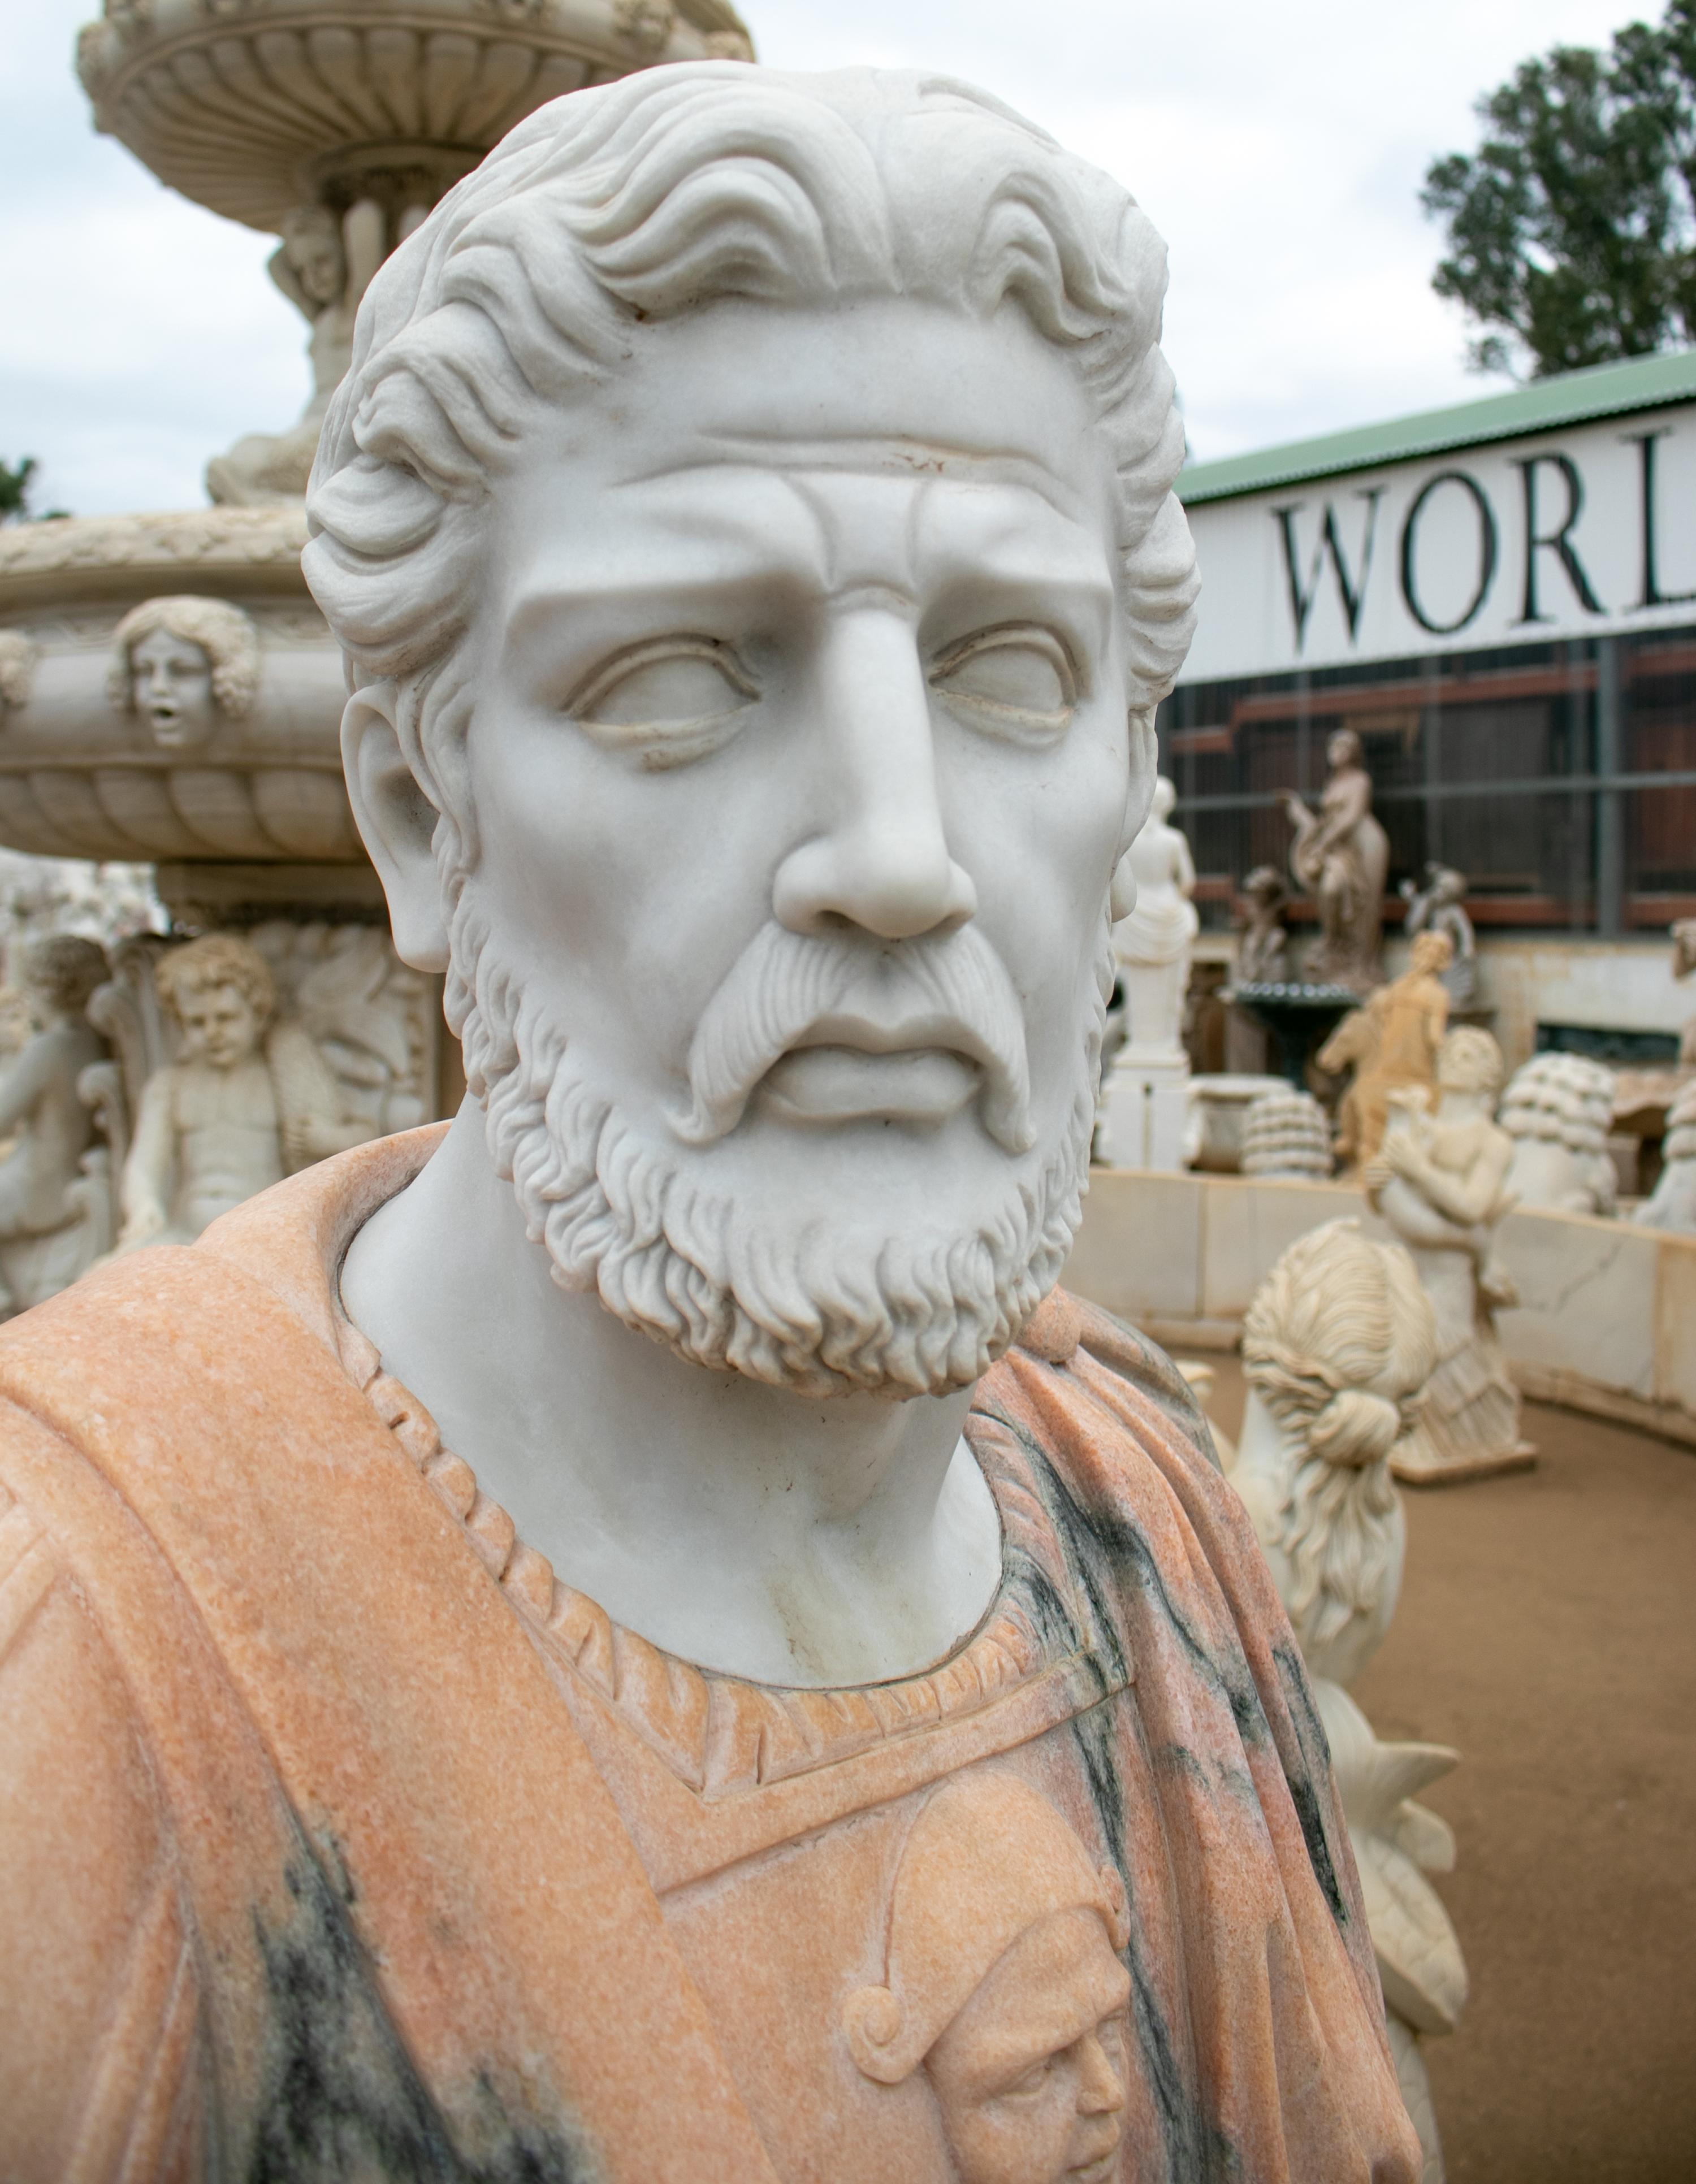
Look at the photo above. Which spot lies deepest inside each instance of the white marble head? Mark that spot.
(748, 521)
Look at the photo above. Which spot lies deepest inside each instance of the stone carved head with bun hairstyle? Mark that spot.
(1003, 1983)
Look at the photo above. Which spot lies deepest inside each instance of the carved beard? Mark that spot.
(925, 1311)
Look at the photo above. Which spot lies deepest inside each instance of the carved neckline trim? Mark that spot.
(720, 1733)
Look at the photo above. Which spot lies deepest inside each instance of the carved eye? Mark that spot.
(1016, 681)
(669, 701)
(1030, 2082)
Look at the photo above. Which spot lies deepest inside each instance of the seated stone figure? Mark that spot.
(247, 1101)
(40, 1105)
(505, 1600)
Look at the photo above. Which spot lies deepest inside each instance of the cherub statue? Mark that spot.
(40, 1107)
(247, 1101)
(324, 267)
(1153, 941)
(1338, 1347)
(1341, 855)
(1391, 1042)
(182, 663)
(1439, 907)
(1441, 1184)
(1002, 1981)
(1262, 952)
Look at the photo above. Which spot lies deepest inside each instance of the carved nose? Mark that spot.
(880, 859)
(1099, 2090)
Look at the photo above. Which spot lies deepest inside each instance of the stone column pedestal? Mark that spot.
(1147, 1099)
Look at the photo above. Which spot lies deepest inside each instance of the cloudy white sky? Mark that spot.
(1278, 148)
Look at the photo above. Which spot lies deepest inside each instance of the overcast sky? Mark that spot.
(1279, 149)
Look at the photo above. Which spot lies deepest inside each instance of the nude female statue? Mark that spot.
(1342, 855)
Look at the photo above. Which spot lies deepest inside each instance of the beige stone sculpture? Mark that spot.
(530, 1619)
(1390, 1044)
(1441, 1183)
(55, 1183)
(1262, 956)
(1341, 856)
(1337, 1348)
(182, 664)
(247, 1101)
(1672, 1204)
(1559, 1110)
(1153, 941)
(1439, 906)
(1287, 1134)
(324, 266)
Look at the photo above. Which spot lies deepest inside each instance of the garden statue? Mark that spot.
(1559, 1110)
(1439, 906)
(247, 1101)
(1262, 952)
(46, 1235)
(324, 266)
(636, 1634)
(1672, 1203)
(1341, 856)
(1152, 943)
(182, 664)
(1337, 1348)
(1391, 1043)
(1441, 1184)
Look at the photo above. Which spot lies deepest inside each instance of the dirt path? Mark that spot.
(1547, 1629)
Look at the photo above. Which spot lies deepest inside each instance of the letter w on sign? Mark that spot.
(1353, 590)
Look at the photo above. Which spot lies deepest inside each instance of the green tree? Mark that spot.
(1571, 230)
(15, 488)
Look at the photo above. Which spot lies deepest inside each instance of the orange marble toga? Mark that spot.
(339, 1839)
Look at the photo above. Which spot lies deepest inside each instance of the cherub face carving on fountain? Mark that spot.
(182, 664)
(800, 638)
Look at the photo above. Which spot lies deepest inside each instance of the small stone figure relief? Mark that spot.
(1263, 957)
(370, 1017)
(1003, 1983)
(1442, 1182)
(1391, 1042)
(324, 267)
(1341, 856)
(1559, 1110)
(20, 657)
(183, 665)
(1287, 1134)
(1673, 1203)
(1337, 1348)
(1439, 906)
(1153, 942)
(51, 1229)
(247, 1101)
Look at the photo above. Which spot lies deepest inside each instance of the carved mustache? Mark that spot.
(945, 990)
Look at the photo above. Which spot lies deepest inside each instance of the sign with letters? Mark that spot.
(1577, 533)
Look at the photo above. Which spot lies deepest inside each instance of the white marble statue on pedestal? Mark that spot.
(1337, 1348)
(1441, 1184)
(1146, 1096)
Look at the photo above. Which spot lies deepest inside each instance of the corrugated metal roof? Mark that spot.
(1571, 397)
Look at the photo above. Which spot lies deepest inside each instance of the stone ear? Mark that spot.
(397, 823)
(872, 2019)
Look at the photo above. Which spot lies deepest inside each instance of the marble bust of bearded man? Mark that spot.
(491, 1615)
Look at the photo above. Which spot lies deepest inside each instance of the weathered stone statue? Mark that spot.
(1341, 856)
(182, 664)
(46, 1236)
(1263, 957)
(324, 266)
(1390, 1044)
(247, 1101)
(1441, 1184)
(1153, 943)
(1337, 1348)
(1559, 1110)
(637, 1636)
(1439, 906)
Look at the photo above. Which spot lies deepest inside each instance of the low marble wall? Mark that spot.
(1606, 1321)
